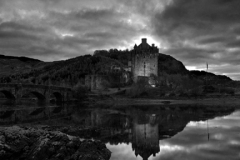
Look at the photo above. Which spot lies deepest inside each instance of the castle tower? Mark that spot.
(144, 60)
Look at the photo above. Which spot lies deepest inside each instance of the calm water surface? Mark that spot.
(150, 132)
(166, 132)
(215, 139)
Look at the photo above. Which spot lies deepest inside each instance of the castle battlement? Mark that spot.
(144, 47)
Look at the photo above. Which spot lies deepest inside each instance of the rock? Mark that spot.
(2, 139)
(37, 144)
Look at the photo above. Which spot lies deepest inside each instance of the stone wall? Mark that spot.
(42, 92)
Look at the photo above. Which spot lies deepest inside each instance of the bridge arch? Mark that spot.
(8, 94)
(38, 95)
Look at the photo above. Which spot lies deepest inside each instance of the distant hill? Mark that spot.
(23, 59)
(173, 71)
(210, 77)
(11, 65)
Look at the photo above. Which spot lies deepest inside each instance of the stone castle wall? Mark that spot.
(144, 65)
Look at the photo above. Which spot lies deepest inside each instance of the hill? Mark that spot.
(210, 77)
(169, 65)
(11, 65)
(173, 73)
(66, 73)
(112, 63)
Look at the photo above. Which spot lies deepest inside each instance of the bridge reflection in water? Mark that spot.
(28, 113)
(17, 92)
(142, 128)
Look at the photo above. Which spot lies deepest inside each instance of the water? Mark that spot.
(155, 132)
(11, 113)
(166, 132)
(217, 138)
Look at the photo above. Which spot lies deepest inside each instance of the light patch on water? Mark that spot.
(218, 136)
(200, 146)
(234, 142)
(196, 124)
(171, 148)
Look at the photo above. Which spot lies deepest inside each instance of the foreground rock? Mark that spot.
(17, 143)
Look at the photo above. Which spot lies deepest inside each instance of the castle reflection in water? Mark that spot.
(145, 139)
(143, 128)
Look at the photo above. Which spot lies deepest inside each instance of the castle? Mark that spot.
(143, 64)
(144, 60)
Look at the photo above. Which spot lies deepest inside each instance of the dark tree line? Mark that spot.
(121, 55)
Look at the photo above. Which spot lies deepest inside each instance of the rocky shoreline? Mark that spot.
(28, 143)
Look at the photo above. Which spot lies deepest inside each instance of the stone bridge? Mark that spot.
(42, 92)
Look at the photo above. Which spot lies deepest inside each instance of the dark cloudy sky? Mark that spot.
(195, 32)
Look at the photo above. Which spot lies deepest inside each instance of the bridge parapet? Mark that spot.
(17, 90)
(8, 85)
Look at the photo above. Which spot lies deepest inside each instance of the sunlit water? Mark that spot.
(149, 132)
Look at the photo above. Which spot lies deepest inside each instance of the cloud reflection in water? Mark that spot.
(192, 142)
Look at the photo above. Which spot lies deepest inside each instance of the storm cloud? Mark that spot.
(56, 29)
(201, 31)
(195, 32)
